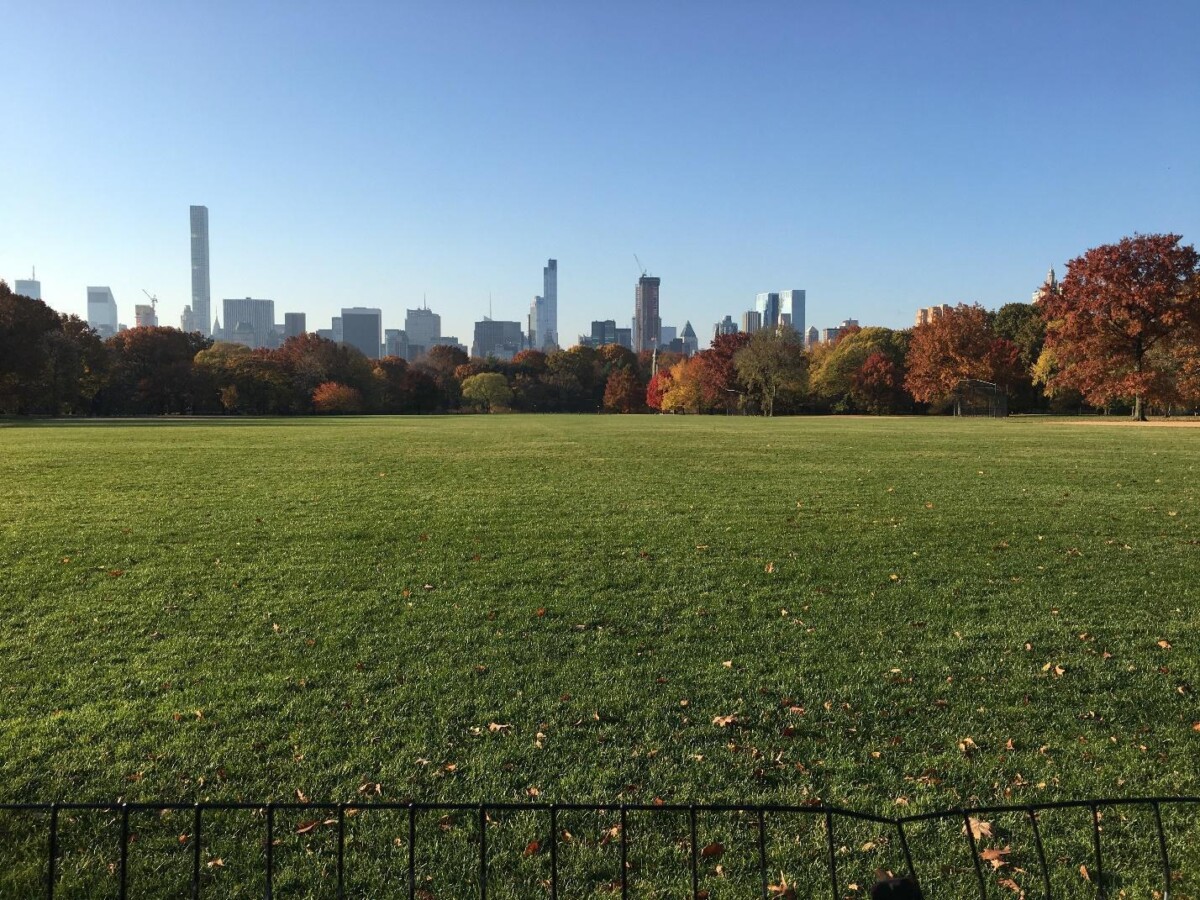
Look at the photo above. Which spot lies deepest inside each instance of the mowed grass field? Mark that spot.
(888, 614)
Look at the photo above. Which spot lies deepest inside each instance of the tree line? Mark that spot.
(1122, 331)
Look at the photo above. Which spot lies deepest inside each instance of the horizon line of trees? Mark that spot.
(1121, 332)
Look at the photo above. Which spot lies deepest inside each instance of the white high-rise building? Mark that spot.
(102, 310)
(537, 324)
(201, 294)
(791, 309)
(547, 332)
(28, 287)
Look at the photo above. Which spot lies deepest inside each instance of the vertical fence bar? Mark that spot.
(270, 849)
(553, 852)
(694, 859)
(412, 851)
(1041, 851)
(762, 851)
(1100, 890)
(341, 852)
(123, 886)
(52, 852)
(196, 852)
(833, 882)
(1162, 852)
(908, 860)
(482, 852)
(975, 855)
(624, 853)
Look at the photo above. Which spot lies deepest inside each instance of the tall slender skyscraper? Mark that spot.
(549, 339)
(646, 322)
(201, 295)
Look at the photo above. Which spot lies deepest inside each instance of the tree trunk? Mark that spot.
(1139, 410)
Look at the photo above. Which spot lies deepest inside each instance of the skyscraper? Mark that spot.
(791, 309)
(503, 340)
(28, 287)
(646, 321)
(362, 328)
(294, 324)
(102, 310)
(604, 331)
(424, 328)
(201, 296)
(144, 316)
(767, 307)
(725, 326)
(537, 323)
(751, 321)
(691, 343)
(250, 322)
(548, 336)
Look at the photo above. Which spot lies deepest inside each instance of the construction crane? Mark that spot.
(640, 266)
(153, 299)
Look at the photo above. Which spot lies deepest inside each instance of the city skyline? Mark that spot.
(903, 170)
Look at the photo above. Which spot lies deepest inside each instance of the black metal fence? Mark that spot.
(922, 856)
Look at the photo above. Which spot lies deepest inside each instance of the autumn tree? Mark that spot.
(656, 388)
(152, 371)
(835, 370)
(334, 398)
(489, 390)
(623, 393)
(959, 344)
(877, 386)
(685, 391)
(772, 363)
(1124, 316)
(716, 371)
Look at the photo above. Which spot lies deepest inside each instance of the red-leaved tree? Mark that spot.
(957, 345)
(622, 392)
(1125, 316)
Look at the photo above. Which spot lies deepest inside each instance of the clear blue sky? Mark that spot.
(880, 155)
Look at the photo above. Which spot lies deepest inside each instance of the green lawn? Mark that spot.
(900, 615)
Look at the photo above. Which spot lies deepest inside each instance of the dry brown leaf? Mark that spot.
(1085, 874)
(967, 746)
(979, 828)
(301, 796)
(531, 848)
(997, 856)
(1166, 645)
(306, 827)
(724, 721)
(713, 851)
(1011, 885)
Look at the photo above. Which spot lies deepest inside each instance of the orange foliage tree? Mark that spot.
(332, 397)
(1125, 323)
(958, 344)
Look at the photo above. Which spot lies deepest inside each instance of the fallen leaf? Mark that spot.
(1166, 645)
(713, 850)
(217, 863)
(306, 827)
(494, 727)
(979, 828)
(300, 796)
(1011, 885)
(531, 848)
(724, 721)
(728, 664)
(1085, 874)
(967, 746)
(997, 856)
(770, 567)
